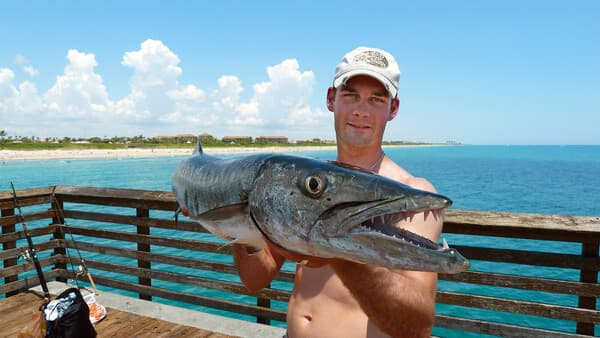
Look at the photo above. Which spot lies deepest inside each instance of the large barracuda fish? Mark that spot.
(313, 207)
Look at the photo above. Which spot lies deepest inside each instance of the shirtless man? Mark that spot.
(338, 298)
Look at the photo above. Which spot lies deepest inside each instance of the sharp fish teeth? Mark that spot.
(444, 244)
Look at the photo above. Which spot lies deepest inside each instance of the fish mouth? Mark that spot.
(379, 218)
(374, 227)
(382, 226)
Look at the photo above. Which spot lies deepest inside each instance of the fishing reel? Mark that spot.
(26, 256)
(81, 272)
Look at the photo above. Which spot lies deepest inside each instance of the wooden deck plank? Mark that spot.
(114, 322)
(17, 311)
(136, 327)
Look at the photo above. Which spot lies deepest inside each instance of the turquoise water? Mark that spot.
(537, 179)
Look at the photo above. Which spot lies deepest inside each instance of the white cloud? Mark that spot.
(8, 93)
(80, 92)
(79, 104)
(31, 71)
(7, 89)
(17, 102)
(20, 105)
(153, 83)
(28, 101)
(21, 59)
(283, 101)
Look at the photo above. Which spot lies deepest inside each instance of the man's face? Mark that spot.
(362, 107)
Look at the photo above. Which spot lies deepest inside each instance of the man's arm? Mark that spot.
(400, 303)
(257, 269)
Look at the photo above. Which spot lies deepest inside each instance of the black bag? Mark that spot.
(75, 320)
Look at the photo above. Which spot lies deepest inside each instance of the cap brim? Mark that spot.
(341, 79)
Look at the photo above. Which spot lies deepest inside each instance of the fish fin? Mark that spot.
(250, 249)
(198, 150)
(228, 243)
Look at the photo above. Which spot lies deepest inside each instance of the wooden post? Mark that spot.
(588, 276)
(58, 208)
(263, 302)
(143, 230)
(9, 245)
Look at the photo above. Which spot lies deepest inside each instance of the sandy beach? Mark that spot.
(24, 155)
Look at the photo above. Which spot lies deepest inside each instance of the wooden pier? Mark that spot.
(130, 317)
(16, 313)
(131, 244)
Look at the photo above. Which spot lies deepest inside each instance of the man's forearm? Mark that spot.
(256, 269)
(398, 305)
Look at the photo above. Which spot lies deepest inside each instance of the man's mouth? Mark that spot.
(359, 126)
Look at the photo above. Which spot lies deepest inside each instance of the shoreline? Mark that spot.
(74, 154)
(61, 154)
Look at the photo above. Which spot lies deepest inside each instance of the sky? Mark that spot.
(476, 72)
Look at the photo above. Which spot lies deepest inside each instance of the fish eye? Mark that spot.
(315, 186)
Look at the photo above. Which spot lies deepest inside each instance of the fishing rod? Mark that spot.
(82, 269)
(31, 252)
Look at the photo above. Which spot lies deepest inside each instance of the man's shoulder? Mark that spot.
(396, 172)
(421, 184)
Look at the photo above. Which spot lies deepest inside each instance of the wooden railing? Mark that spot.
(131, 243)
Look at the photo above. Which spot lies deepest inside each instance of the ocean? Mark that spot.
(561, 180)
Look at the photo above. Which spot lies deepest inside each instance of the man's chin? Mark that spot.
(358, 138)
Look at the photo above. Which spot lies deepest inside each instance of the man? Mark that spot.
(338, 298)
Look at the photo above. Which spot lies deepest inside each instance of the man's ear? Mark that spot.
(394, 108)
(330, 98)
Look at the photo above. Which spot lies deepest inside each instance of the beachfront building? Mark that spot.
(237, 139)
(164, 139)
(271, 139)
(185, 138)
(206, 137)
(316, 141)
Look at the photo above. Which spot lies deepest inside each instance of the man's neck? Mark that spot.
(366, 157)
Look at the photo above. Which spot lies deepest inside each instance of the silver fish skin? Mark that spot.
(312, 207)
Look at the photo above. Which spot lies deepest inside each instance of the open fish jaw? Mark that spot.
(377, 225)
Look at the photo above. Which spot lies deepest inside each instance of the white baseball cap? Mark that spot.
(373, 62)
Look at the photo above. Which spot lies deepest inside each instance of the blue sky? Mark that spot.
(478, 72)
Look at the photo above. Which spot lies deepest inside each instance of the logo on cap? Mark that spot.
(372, 57)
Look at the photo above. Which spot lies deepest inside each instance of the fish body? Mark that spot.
(312, 207)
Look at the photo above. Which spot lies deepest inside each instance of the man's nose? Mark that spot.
(361, 108)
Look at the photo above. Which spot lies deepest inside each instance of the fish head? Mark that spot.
(329, 209)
